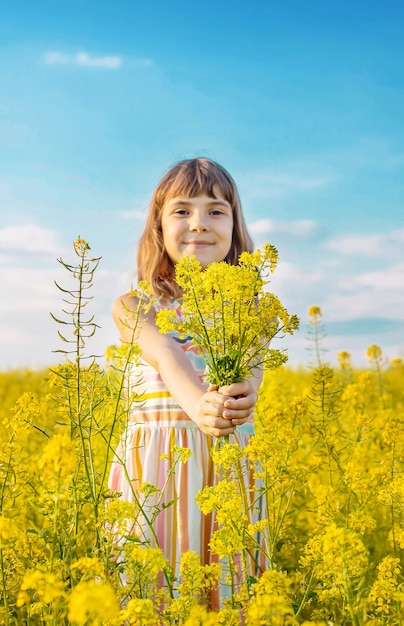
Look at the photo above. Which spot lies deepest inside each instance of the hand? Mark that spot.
(220, 411)
(209, 414)
(238, 401)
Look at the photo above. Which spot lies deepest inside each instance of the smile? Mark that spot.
(198, 243)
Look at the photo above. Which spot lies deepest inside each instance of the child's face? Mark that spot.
(199, 226)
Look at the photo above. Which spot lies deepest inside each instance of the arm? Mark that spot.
(214, 412)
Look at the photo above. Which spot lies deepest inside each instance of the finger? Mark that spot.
(213, 410)
(231, 414)
(245, 402)
(214, 397)
(236, 389)
(245, 420)
(217, 427)
(222, 425)
(222, 432)
(239, 420)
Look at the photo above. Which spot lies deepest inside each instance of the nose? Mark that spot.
(197, 222)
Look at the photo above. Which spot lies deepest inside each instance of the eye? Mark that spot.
(180, 211)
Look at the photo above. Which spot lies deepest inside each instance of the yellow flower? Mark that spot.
(144, 288)
(338, 559)
(147, 489)
(392, 491)
(385, 586)
(271, 602)
(344, 359)
(361, 522)
(229, 315)
(213, 498)
(197, 579)
(140, 612)
(81, 246)
(178, 610)
(227, 617)
(123, 354)
(200, 616)
(8, 529)
(27, 411)
(89, 566)
(227, 456)
(119, 517)
(227, 541)
(182, 454)
(145, 563)
(314, 313)
(167, 318)
(374, 353)
(92, 602)
(58, 461)
(45, 586)
(258, 527)
(397, 537)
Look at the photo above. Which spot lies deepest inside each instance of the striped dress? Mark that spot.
(158, 423)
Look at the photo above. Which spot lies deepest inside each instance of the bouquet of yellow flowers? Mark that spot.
(229, 315)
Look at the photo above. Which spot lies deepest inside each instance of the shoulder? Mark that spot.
(128, 302)
(130, 306)
(133, 299)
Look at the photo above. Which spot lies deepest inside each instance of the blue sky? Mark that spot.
(301, 101)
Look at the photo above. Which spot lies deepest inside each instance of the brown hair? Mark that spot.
(188, 179)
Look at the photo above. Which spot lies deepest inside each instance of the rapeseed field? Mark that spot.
(328, 459)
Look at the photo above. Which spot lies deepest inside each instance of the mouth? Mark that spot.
(198, 243)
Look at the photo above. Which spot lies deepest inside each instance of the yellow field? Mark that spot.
(327, 462)
(329, 457)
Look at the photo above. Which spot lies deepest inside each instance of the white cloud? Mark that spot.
(28, 335)
(29, 289)
(342, 297)
(301, 228)
(371, 294)
(367, 244)
(7, 259)
(83, 59)
(29, 238)
(370, 303)
(390, 279)
(139, 210)
(294, 275)
(347, 296)
(269, 182)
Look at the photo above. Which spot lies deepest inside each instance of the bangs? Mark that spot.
(194, 177)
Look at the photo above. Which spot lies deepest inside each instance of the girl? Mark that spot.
(195, 210)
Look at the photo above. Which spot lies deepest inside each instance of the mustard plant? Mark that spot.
(316, 335)
(230, 316)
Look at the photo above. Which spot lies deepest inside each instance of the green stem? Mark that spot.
(305, 595)
(4, 584)
(206, 343)
(149, 522)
